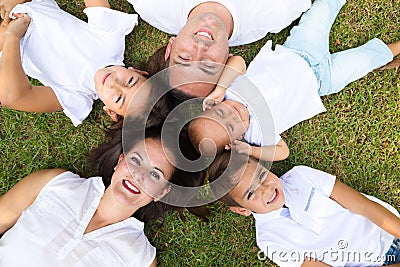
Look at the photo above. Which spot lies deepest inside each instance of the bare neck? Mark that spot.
(109, 212)
(217, 9)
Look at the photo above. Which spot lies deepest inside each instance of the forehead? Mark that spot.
(247, 174)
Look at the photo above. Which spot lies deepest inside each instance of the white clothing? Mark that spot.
(252, 19)
(50, 232)
(316, 226)
(64, 52)
(287, 91)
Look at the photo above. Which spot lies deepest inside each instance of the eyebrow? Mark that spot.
(248, 190)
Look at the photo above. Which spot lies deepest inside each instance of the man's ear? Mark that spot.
(112, 114)
(163, 193)
(169, 48)
(241, 211)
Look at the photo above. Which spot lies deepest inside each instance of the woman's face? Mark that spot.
(142, 175)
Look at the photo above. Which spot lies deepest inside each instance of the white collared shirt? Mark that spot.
(64, 52)
(316, 226)
(252, 19)
(287, 93)
(50, 232)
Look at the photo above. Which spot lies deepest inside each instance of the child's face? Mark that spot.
(223, 123)
(116, 87)
(259, 190)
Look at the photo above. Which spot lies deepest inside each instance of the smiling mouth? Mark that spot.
(130, 187)
(105, 77)
(205, 33)
(274, 197)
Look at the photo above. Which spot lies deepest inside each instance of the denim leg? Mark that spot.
(393, 254)
(352, 64)
(311, 36)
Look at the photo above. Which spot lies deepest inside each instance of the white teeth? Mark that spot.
(130, 186)
(205, 34)
(272, 198)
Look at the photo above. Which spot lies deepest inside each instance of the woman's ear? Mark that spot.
(240, 210)
(112, 114)
(169, 48)
(163, 193)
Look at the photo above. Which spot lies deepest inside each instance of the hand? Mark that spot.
(212, 99)
(241, 147)
(18, 26)
(5, 8)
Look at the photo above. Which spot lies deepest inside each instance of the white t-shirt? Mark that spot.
(316, 226)
(252, 19)
(287, 91)
(50, 232)
(64, 52)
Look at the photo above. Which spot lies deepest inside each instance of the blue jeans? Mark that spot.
(393, 254)
(310, 39)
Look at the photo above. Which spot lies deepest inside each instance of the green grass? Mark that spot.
(357, 139)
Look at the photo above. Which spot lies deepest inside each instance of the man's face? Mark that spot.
(198, 54)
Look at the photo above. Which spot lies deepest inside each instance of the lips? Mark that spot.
(130, 187)
(105, 78)
(274, 197)
(205, 34)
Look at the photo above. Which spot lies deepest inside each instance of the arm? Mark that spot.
(6, 6)
(313, 263)
(280, 151)
(233, 68)
(22, 195)
(15, 89)
(357, 203)
(93, 3)
(154, 263)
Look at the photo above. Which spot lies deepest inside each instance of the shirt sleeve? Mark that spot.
(109, 20)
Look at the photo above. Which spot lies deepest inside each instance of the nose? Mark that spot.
(199, 48)
(138, 177)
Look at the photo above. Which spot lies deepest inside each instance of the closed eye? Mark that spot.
(230, 128)
(118, 99)
(130, 81)
(249, 195)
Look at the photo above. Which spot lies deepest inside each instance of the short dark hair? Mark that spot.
(226, 165)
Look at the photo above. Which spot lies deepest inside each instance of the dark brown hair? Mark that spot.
(105, 157)
(226, 165)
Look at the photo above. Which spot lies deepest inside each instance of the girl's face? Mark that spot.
(141, 176)
(222, 124)
(117, 86)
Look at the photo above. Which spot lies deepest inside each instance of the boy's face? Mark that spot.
(117, 86)
(259, 190)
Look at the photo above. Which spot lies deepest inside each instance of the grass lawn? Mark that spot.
(357, 139)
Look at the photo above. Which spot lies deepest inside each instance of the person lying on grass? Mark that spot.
(286, 85)
(77, 62)
(308, 217)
